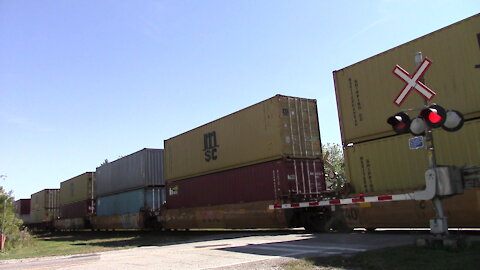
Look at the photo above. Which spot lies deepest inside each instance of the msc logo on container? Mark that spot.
(210, 146)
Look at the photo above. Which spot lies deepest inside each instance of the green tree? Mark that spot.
(11, 226)
(334, 166)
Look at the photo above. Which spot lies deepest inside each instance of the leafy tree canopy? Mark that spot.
(334, 166)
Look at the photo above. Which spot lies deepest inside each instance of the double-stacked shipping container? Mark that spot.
(77, 202)
(129, 191)
(22, 210)
(377, 160)
(44, 208)
(225, 173)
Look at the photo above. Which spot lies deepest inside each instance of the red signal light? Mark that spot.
(400, 122)
(434, 116)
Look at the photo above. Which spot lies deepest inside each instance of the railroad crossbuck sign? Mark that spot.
(413, 82)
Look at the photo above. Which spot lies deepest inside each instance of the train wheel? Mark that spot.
(315, 223)
(337, 223)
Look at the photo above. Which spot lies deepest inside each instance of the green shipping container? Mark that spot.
(78, 188)
(388, 165)
(272, 129)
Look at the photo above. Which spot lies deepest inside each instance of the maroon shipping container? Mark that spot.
(22, 207)
(278, 181)
(77, 209)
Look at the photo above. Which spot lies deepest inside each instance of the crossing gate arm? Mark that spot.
(426, 194)
(382, 198)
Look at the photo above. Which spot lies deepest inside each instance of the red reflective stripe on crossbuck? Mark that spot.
(413, 82)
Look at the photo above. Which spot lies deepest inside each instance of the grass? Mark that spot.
(58, 244)
(69, 243)
(398, 258)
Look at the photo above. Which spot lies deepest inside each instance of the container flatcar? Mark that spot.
(224, 174)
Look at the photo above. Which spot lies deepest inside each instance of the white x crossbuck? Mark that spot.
(413, 82)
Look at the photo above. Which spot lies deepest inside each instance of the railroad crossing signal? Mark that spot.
(413, 82)
(433, 116)
(400, 122)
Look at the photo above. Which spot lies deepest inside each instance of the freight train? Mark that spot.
(226, 173)
(223, 174)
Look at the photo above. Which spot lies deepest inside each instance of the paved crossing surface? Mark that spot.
(233, 250)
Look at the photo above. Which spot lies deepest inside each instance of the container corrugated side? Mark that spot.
(130, 202)
(44, 206)
(272, 129)
(366, 90)
(389, 165)
(77, 209)
(79, 188)
(279, 181)
(462, 211)
(140, 169)
(22, 206)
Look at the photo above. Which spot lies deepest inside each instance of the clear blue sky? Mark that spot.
(85, 81)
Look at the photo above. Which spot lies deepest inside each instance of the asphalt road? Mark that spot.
(230, 251)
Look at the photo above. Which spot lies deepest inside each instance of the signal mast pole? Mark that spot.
(438, 225)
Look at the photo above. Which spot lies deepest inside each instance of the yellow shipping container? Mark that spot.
(277, 127)
(388, 165)
(44, 206)
(78, 188)
(366, 90)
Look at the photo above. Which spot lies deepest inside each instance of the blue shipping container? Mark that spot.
(130, 202)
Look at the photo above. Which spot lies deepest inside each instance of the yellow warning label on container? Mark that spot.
(366, 204)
